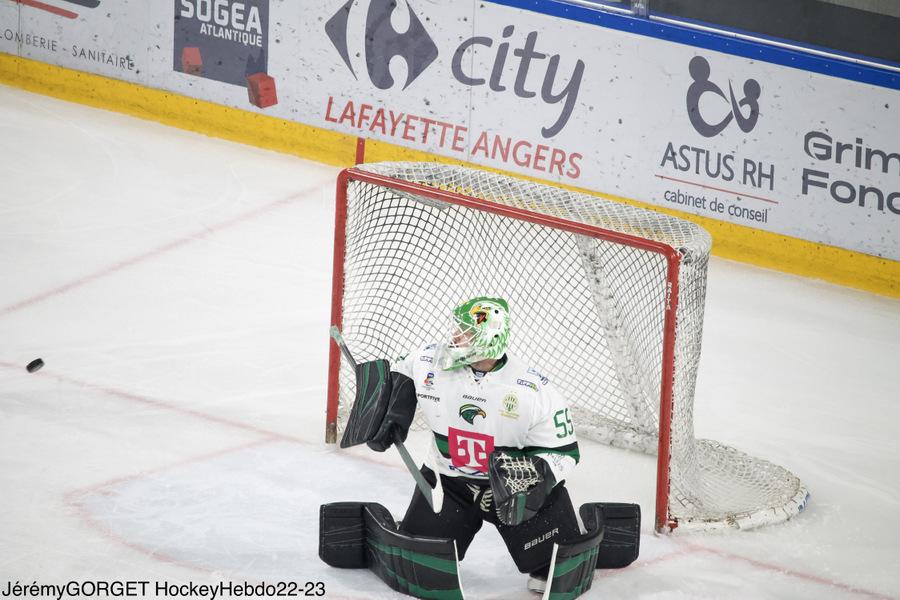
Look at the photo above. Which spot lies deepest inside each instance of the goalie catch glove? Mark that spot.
(520, 485)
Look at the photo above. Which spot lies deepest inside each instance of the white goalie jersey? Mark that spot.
(512, 408)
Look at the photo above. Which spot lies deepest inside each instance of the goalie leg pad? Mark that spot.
(575, 560)
(423, 567)
(611, 541)
(342, 536)
(622, 538)
(531, 542)
(359, 534)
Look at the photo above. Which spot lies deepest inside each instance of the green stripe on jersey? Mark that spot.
(567, 450)
(443, 445)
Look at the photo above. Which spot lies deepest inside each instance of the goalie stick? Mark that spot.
(435, 502)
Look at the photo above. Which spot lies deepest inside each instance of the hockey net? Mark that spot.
(607, 300)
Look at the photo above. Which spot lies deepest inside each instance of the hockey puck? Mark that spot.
(35, 365)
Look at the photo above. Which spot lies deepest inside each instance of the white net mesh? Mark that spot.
(588, 312)
(520, 474)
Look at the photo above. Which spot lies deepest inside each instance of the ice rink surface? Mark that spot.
(178, 289)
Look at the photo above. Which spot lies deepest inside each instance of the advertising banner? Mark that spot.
(752, 143)
(107, 37)
(227, 42)
(745, 141)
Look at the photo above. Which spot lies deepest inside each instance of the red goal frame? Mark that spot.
(673, 263)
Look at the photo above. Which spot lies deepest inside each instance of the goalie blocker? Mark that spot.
(358, 535)
(384, 407)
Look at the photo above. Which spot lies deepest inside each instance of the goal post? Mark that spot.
(607, 299)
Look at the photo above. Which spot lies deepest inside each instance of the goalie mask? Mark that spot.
(480, 331)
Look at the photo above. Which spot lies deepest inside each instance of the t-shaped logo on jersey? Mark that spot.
(469, 451)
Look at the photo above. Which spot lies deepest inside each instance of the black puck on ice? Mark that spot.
(35, 365)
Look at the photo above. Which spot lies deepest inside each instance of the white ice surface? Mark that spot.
(178, 288)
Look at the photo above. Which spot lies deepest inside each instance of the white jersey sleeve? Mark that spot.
(552, 433)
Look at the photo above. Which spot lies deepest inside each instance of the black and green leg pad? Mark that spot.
(359, 535)
(612, 541)
(574, 561)
(622, 533)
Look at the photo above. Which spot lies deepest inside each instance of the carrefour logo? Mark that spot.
(383, 43)
(507, 59)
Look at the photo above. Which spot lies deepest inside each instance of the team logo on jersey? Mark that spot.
(468, 412)
(469, 451)
(510, 406)
(429, 379)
